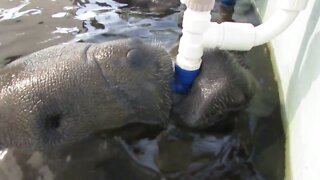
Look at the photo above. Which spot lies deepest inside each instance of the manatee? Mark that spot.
(224, 85)
(65, 93)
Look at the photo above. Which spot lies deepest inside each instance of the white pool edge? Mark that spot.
(296, 62)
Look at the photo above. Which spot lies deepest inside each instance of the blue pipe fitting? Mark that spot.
(183, 80)
(228, 3)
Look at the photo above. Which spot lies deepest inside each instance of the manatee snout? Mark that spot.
(67, 92)
(223, 86)
(139, 76)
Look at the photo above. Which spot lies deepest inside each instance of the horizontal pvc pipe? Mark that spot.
(244, 36)
(229, 36)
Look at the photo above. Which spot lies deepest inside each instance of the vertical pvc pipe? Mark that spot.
(196, 20)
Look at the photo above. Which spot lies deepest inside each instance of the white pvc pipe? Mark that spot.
(200, 33)
(244, 36)
(210, 38)
(274, 26)
(190, 47)
(229, 36)
(279, 21)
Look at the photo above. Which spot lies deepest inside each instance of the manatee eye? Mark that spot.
(53, 121)
(135, 59)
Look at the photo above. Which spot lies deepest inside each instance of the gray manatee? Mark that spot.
(65, 93)
(224, 85)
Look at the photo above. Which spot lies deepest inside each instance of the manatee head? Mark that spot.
(223, 86)
(65, 93)
(139, 75)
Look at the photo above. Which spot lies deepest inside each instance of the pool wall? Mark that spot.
(296, 63)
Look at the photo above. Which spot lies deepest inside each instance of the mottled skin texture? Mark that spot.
(223, 86)
(65, 93)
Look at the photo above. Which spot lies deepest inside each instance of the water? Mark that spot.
(251, 148)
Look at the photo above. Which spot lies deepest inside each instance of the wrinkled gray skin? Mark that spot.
(224, 85)
(65, 93)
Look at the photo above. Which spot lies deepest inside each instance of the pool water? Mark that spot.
(251, 147)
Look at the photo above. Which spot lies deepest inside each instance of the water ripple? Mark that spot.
(15, 12)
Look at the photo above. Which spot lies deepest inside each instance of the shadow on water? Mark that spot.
(252, 148)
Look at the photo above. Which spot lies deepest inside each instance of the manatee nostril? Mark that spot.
(135, 59)
(53, 121)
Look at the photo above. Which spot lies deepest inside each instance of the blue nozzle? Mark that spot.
(228, 3)
(183, 80)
